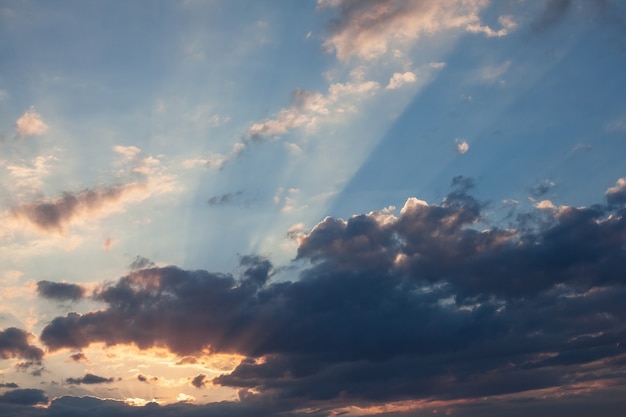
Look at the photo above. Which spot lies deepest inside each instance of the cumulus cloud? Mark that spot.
(89, 379)
(617, 193)
(398, 79)
(423, 300)
(366, 29)
(461, 146)
(30, 124)
(14, 343)
(60, 291)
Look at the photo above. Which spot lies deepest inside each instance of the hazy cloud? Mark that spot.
(224, 199)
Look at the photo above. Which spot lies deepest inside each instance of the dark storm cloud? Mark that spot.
(24, 397)
(60, 291)
(422, 304)
(224, 199)
(14, 344)
(89, 379)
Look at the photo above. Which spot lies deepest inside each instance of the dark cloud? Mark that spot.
(24, 397)
(60, 291)
(8, 385)
(199, 381)
(52, 215)
(14, 344)
(187, 360)
(142, 378)
(89, 379)
(541, 189)
(224, 199)
(617, 195)
(422, 304)
(79, 357)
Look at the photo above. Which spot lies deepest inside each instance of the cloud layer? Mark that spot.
(424, 301)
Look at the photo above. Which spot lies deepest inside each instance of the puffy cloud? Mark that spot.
(398, 79)
(617, 193)
(366, 29)
(60, 291)
(308, 108)
(89, 379)
(30, 124)
(461, 146)
(14, 344)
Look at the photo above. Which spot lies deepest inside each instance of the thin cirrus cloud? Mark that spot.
(414, 300)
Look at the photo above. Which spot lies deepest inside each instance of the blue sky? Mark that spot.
(321, 208)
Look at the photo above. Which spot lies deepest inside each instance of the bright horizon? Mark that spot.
(312, 208)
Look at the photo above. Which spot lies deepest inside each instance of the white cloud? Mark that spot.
(399, 79)
(367, 29)
(507, 23)
(308, 108)
(31, 124)
(545, 205)
(461, 146)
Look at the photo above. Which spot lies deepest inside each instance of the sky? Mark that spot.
(312, 208)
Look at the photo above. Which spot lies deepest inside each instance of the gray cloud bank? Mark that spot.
(419, 306)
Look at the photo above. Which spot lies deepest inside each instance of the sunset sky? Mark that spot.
(300, 208)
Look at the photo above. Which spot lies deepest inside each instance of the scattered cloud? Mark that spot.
(200, 381)
(79, 357)
(14, 343)
(366, 30)
(617, 193)
(60, 291)
(89, 379)
(398, 79)
(30, 124)
(224, 199)
(309, 108)
(461, 146)
(542, 188)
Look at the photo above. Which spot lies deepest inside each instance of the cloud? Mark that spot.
(367, 29)
(224, 199)
(417, 305)
(617, 194)
(30, 124)
(461, 146)
(398, 79)
(79, 357)
(60, 291)
(309, 108)
(199, 381)
(53, 215)
(14, 344)
(140, 263)
(89, 379)
(9, 385)
(24, 397)
(541, 189)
